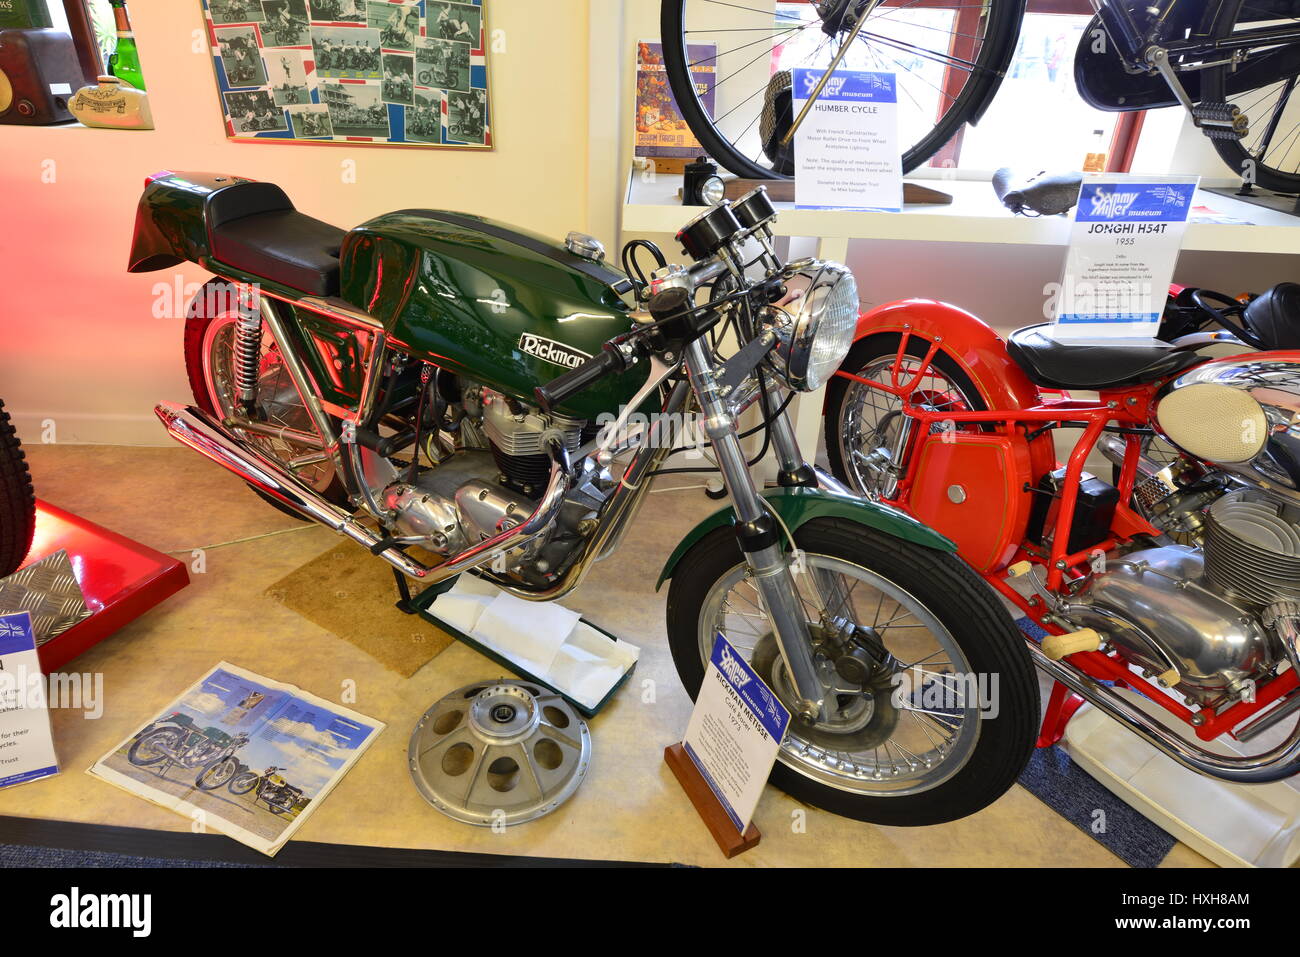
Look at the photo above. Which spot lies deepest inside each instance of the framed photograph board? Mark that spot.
(380, 72)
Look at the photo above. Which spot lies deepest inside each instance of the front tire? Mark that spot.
(837, 764)
(215, 775)
(153, 747)
(243, 783)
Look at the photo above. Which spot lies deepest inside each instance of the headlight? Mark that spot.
(815, 325)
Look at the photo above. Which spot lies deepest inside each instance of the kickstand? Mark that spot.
(403, 589)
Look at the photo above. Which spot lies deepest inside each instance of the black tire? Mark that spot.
(1221, 20)
(1002, 34)
(243, 782)
(17, 499)
(147, 741)
(865, 353)
(969, 610)
(196, 328)
(203, 781)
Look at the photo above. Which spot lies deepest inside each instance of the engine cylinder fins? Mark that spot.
(1252, 547)
(499, 753)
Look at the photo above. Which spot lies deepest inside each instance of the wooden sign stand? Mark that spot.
(782, 191)
(730, 841)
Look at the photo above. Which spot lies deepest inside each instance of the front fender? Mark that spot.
(799, 506)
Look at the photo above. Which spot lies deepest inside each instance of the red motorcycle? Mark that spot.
(1176, 575)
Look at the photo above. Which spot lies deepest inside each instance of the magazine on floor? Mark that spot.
(241, 754)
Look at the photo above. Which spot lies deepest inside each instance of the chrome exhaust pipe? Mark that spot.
(1281, 762)
(205, 435)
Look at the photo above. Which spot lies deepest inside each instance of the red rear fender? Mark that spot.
(969, 340)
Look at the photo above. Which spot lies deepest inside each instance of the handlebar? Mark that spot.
(558, 391)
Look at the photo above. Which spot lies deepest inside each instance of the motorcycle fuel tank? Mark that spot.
(488, 302)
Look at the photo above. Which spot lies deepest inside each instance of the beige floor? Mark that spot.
(630, 807)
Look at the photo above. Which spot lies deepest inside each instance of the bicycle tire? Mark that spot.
(994, 56)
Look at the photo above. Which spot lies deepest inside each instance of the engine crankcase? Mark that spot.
(1158, 610)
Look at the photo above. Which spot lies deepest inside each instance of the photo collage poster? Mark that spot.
(403, 72)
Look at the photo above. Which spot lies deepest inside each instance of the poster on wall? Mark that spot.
(383, 72)
(661, 132)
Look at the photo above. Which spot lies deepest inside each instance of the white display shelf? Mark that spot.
(974, 216)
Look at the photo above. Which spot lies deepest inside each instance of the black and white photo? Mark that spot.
(254, 112)
(356, 109)
(399, 79)
(241, 57)
(443, 64)
(286, 23)
(346, 53)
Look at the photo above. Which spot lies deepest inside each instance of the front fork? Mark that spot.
(759, 533)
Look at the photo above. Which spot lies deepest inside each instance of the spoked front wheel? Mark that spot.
(947, 56)
(932, 707)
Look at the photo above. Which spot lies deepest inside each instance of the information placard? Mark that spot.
(1123, 248)
(846, 150)
(735, 732)
(26, 742)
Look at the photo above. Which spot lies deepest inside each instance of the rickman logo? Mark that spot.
(548, 350)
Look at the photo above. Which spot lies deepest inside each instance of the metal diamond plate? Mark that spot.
(49, 592)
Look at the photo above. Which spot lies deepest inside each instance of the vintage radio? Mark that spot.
(39, 73)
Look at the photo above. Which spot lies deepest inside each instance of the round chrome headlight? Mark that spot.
(815, 325)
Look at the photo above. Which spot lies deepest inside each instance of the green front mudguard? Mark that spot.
(798, 506)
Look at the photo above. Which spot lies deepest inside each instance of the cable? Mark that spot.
(240, 541)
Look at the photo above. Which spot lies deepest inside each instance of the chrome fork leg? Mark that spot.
(761, 540)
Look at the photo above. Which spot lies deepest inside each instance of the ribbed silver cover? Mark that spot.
(1252, 548)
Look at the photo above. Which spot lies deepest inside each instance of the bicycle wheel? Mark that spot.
(1269, 154)
(948, 55)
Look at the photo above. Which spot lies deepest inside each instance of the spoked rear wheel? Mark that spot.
(933, 706)
(1269, 154)
(210, 350)
(947, 55)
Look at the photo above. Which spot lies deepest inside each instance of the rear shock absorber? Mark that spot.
(248, 354)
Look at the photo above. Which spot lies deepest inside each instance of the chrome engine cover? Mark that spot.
(1157, 608)
(456, 504)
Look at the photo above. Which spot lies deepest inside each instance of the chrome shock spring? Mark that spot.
(248, 354)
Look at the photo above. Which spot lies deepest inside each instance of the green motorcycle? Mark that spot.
(440, 380)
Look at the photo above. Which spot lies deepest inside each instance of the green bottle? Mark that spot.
(125, 61)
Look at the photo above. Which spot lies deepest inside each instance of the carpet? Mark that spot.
(352, 593)
(1077, 796)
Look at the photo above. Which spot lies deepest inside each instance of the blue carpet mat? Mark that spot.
(1079, 798)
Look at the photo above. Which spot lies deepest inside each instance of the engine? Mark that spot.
(1220, 602)
(489, 480)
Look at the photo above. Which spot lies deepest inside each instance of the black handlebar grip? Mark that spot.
(557, 391)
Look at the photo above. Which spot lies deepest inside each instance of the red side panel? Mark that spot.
(971, 488)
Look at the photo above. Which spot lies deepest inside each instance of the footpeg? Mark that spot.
(1057, 647)
(1220, 121)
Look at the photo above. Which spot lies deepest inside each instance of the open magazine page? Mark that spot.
(241, 754)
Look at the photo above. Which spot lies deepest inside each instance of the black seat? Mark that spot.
(255, 228)
(1059, 365)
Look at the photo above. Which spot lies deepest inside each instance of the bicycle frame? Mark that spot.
(1126, 409)
(1133, 42)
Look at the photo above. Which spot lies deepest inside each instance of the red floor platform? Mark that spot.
(120, 579)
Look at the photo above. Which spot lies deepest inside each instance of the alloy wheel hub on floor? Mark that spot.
(499, 753)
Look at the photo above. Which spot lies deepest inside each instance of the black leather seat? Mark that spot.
(255, 228)
(1059, 365)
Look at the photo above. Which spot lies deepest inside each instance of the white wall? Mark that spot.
(81, 345)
